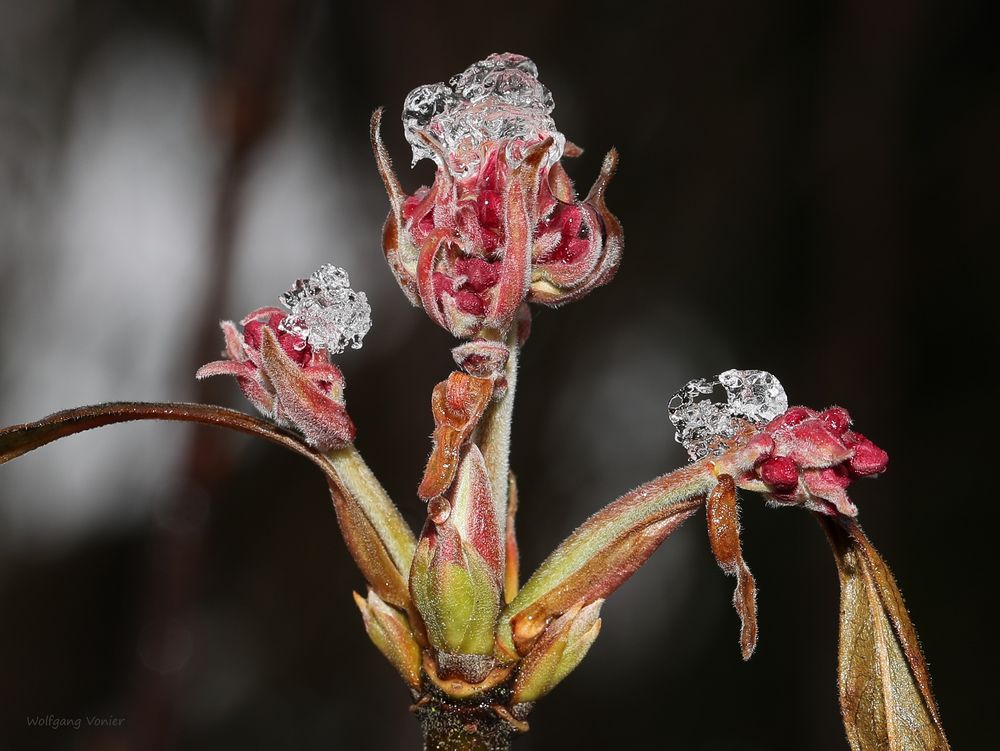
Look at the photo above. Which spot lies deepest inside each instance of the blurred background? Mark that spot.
(808, 188)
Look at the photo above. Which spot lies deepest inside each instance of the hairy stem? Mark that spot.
(451, 725)
(495, 438)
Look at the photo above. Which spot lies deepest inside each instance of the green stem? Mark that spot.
(494, 438)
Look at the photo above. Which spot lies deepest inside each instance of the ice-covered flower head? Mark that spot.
(496, 99)
(501, 225)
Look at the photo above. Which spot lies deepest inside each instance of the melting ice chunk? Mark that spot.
(497, 98)
(705, 424)
(325, 312)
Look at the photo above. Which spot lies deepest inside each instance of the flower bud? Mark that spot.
(286, 379)
(501, 224)
(456, 576)
(389, 630)
(562, 646)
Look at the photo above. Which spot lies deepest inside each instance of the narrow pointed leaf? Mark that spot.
(348, 470)
(722, 513)
(600, 555)
(885, 691)
(361, 538)
(495, 430)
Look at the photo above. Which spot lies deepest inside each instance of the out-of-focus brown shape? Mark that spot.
(885, 688)
(722, 514)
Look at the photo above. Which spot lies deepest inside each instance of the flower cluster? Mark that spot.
(505, 228)
(810, 458)
(286, 378)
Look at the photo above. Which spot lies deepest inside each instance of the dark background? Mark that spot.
(808, 188)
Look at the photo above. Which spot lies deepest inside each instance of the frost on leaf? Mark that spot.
(705, 423)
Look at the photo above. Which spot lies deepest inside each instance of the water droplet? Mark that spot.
(494, 99)
(439, 510)
(706, 425)
(325, 312)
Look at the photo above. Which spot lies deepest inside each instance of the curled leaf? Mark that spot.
(885, 688)
(722, 513)
(458, 404)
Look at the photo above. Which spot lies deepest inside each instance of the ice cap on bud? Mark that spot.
(325, 313)
(499, 98)
(501, 224)
(282, 362)
(561, 647)
(390, 632)
(707, 425)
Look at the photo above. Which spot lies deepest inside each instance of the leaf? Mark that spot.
(376, 534)
(599, 556)
(885, 689)
(390, 632)
(557, 652)
(722, 513)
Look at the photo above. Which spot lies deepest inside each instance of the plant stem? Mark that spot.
(449, 725)
(494, 439)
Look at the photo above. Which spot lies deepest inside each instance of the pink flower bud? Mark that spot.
(819, 449)
(286, 379)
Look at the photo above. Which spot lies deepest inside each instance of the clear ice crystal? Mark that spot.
(497, 98)
(325, 312)
(705, 424)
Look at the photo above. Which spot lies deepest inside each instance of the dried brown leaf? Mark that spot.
(722, 513)
(885, 690)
